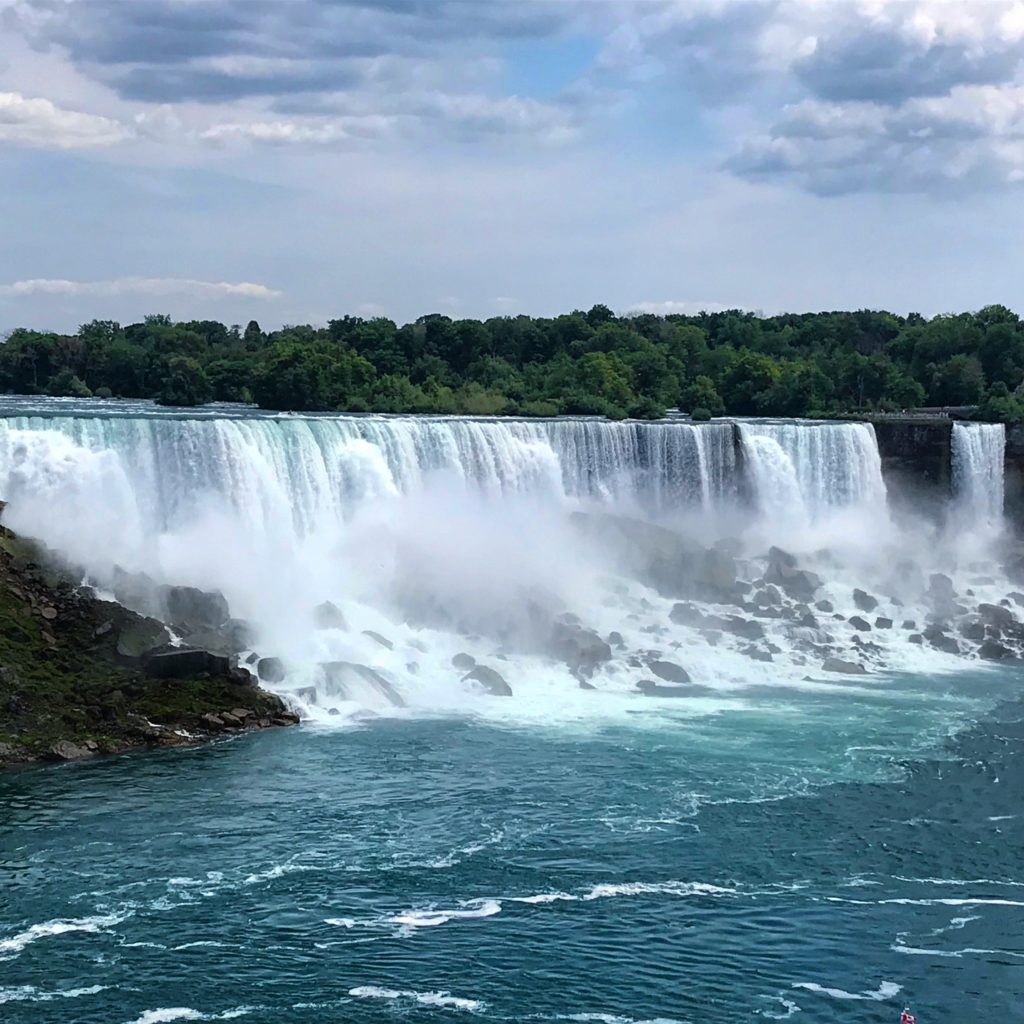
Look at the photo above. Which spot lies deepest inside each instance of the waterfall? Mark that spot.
(814, 469)
(978, 454)
(317, 470)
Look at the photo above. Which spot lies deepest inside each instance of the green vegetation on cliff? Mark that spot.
(638, 365)
(67, 687)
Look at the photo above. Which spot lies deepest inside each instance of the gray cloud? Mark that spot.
(167, 51)
(971, 139)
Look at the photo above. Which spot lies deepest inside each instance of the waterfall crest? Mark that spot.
(978, 474)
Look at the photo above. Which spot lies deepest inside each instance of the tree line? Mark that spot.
(595, 362)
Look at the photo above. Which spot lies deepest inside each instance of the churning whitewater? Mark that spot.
(382, 564)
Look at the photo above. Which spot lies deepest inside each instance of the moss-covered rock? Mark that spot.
(74, 678)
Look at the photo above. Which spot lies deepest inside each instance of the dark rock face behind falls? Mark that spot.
(80, 676)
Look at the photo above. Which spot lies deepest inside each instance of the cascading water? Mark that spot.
(826, 466)
(978, 475)
(436, 537)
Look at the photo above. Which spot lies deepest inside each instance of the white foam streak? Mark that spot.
(886, 990)
(440, 1000)
(48, 929)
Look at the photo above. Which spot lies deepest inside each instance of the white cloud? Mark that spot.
(40, 123)
(684, 308)
(971, 138)
(139, 286)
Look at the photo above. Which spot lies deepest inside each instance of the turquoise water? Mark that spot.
(805, 856)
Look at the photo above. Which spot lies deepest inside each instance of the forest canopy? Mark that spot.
(636, 365)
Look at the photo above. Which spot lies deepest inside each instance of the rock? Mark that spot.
(973, 630)
(581, 649)
(382, 640)
(916, 639)
(103, 629)
(768, 597)
(252, 658)
(864, 601)
(271, 670)
(615, 639)
(738, 626)
(329, 616)
(652, 688)
(1016, 597)
(941, 597)
(940, 585)
(194, 607)
(669, 671)
(883, 623)
(49, 613)
(232, 636)
(182, 662)
(243, 714)
(862, 624)
(909, 624)
(990, 650)
(809, 621)
(685, 614)
(584, 685)
(65, 750)
(839, 665)
(825, 606)
(995, 615)
(463, 662)
(758, 654)
(230, 721)
(797, 583)
(493, 682)
(776, 556)
(212, 721)
(945, 643)
(139, 635)
(8, 752)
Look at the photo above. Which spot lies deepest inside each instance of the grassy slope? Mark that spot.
(61, 677)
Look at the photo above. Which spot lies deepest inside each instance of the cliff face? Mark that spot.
(917, 462)
(80, 676)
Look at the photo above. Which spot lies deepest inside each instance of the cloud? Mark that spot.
(40, 123)
(971, 138)
(168, 50)
(684, 308)
(138, 286)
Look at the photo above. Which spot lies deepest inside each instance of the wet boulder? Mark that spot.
(944, 643)
(194, 607)
(183, 662)
(581, 649)
(328, 615)
(464, 662)
(799, 584)
(825, 606)
(344, 676)
(883, 623)
(491, 681)
(992, 650)
(864, 601)
(654, 688)
(996, 615)
(669, 671)
(843, 667)
(758, 654)
(860, 623)
(973, 629)
(776, 556)
(377, 638)
(65, 750)
(137, 635)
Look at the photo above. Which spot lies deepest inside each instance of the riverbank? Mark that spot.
(76, 678)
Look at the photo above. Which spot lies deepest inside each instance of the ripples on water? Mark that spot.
(431, 870)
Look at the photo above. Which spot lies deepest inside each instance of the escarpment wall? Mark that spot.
(917, 462)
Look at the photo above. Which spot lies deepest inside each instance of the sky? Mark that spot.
(291, 161)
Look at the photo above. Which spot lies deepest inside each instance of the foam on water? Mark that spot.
(439, 1000)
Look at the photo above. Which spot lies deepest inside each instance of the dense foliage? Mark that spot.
(593, 362)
